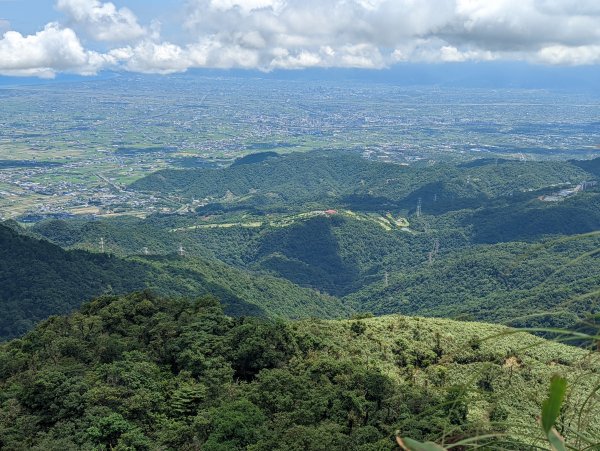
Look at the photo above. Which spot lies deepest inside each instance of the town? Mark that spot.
(73, 150)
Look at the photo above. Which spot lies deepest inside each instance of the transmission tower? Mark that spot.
(386, 280)
(419, 203)
(181, 250)
(146, 251)
(433, 253)
(102, 245)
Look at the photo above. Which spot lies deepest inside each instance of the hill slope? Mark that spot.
(479, 218)
(38, 279)
(553, 283)
(336, 254)
(293, 180)
(139, 372)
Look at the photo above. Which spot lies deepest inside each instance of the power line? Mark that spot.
(434, 252)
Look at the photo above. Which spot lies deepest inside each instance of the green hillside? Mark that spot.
(347, 179)
(531, 220)
(553, 283)
(38, 279)
(336, 254)
(140, 372)
(485, 225)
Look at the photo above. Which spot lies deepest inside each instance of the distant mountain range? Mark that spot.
(489, 75)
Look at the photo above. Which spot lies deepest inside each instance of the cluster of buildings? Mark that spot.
(568, 192)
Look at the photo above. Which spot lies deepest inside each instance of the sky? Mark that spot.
(43, 38)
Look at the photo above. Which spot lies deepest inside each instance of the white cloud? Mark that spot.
(511, 25)
(294, 34)
(48, 51)
(375, 33)
(149, 57)
(246, 6)
(573, 56)
(102, 21)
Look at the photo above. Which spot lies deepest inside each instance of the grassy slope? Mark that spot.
(508, 372)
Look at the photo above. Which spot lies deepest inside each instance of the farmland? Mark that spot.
(73, 148)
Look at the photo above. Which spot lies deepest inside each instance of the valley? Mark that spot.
(463, 240)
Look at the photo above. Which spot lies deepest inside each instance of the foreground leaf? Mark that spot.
(552, 405)
(408, 444)
(557, 442)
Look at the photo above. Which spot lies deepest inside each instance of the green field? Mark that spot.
(387, 222)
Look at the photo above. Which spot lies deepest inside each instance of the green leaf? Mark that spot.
(556, 441)
(408, 444)
(552, 405)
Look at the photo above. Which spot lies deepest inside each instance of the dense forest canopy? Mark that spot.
(141, 372)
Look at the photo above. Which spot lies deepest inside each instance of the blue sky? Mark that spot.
(29, 16)
(44, 38)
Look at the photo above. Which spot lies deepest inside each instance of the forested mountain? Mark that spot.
(336, 254)
(140, 372)
(482, 201)
(318, 235)
(555, 283)
(293, 180)
(492, 240)
(38, 279)
(533, 220)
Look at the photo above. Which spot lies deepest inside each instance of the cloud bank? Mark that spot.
(48, 51)
(102, 21)
(295, 34)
